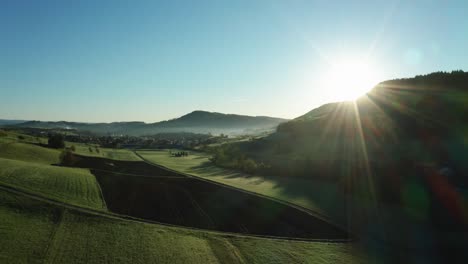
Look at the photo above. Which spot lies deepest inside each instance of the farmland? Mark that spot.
(396, 227)
(56, 214)
(186, 201)
(28, 153)
(92, 151)
(313, 195)
(74, 186)
(37, 232)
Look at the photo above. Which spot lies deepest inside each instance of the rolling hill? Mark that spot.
(396, 157)
(54, 214)
(413, 121)
(194, 122)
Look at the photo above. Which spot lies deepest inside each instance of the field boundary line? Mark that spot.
(115, 216)
(298, 207)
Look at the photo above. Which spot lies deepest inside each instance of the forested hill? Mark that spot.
(399, 125)
(438, 101)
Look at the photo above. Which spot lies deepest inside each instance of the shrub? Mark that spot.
(249, 166)
(67, 158)
(73, 148)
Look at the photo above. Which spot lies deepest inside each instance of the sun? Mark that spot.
(348, 80)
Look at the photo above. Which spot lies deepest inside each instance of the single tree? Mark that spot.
(56, 141)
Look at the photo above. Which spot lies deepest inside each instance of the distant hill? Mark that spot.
(195, 122)
(7, 122)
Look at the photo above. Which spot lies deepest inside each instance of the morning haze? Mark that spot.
(248, 131)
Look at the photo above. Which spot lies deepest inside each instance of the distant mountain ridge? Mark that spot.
(6, 122)
(195, 122)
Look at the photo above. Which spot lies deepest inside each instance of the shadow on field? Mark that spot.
(119, 166)
(168, 197)
(324, 196)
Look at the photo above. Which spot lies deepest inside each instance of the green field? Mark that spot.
(73, 186)
(108, 153)
(33, 229)
(36, 232)
(29, 152)
(317, 196)
(391, 223)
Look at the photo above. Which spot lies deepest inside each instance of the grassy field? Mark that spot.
(29, 152)
(37, 232)
(116, 154)
(394, 226)
(26, 149)
(12, 136)
(70, 185)
(317, 196)
(187, 201)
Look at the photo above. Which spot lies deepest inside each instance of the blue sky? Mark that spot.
(154, 60)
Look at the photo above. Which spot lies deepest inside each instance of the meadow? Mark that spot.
(393, 232)
(188, 201)
(109, 153)
(37, 232)
(319, 197)
(73, 186)
(52, 214)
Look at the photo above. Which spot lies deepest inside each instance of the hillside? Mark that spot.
(400, 129)
(396, 159)
(195, 122)
(428, 111)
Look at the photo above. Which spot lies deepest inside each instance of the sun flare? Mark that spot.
(348, 80)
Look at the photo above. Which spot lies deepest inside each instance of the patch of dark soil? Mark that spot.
(194, 203)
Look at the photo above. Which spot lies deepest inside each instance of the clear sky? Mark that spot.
(155, 60)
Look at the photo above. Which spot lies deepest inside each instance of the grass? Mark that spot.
(29, 152)
(25, 229)
(33, 231)
(11, 147)
(108, 153)
(317, 196)
(391, 224)
(70, 185)
(191, 202)
(12, 136)
(36, 232)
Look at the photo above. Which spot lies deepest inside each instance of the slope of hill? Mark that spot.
(402, 132)
(195, 122)
(419, 120)
(397, 156)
